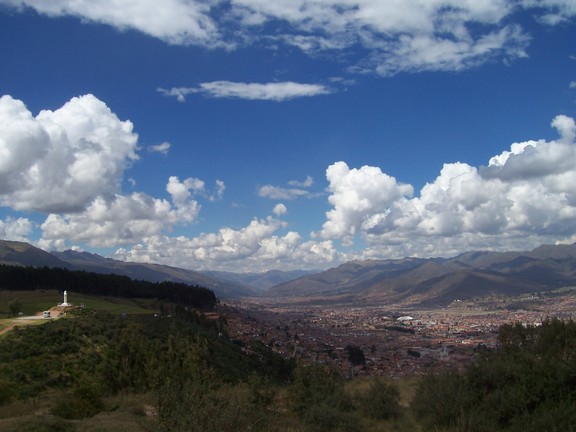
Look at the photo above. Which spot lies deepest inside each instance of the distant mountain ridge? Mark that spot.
(260, 281)
(149, 272)
(425, 281)
(438, 281)
(20, 253)
(24, 254)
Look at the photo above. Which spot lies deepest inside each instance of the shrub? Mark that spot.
(527, 384)
(83, 402)
(320, 400)
(440, 400)
(381, 400)
(14, 307)
(193, 398)
(355, 355)
(6, 391)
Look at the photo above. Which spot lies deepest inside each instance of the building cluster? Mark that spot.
(394, 342)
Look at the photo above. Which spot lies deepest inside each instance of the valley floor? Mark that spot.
(396, 340)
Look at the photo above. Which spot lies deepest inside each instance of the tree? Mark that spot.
(381, 401)
(355, 355)
(14, 307)
(128, 360)
(320, 400)
(84, 401)
(526, 384)
(191, 396)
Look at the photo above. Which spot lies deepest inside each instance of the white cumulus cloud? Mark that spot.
(15, 229)
(126, 219)
(255, 247)
(69, 164)
(356, 196)
(123, 219)
(60, 161)
(280, 210)
(522, 198)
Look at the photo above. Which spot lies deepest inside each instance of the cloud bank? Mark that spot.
(255, 247)
(69, 164)
(413, 36)
(523, 197)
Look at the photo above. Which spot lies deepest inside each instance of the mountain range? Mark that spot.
(432, 281)
(18, 253)
(438, 281)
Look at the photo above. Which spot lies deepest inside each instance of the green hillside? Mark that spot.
(34, 302)
(102, 368)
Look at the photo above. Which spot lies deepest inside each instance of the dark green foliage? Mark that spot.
(355, 355)
(550, 417)
(128, 361)
(7, 391)
(320, 400)
(192, 396)
(52, 355)
(202, 382)
(14, 307)
(527, 384)
(381, 402)
(197, 405)
(402, 329)
(85, 400)
(439, 400)
(271, 365)
(45, 424)
(31, 278)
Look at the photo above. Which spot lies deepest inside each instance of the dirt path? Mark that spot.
(9, 323)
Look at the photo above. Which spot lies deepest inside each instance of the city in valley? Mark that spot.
(394, 340)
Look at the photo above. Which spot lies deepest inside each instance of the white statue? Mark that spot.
(65, 299)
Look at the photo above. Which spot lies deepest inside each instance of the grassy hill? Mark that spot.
(34, 302)
(97, 364)
(102, 371)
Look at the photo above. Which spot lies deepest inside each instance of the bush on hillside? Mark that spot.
(381, 401)
(192, 396)
(320, 400)
(527, 384)
(84, 401)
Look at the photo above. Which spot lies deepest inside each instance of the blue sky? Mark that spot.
(248, 135)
